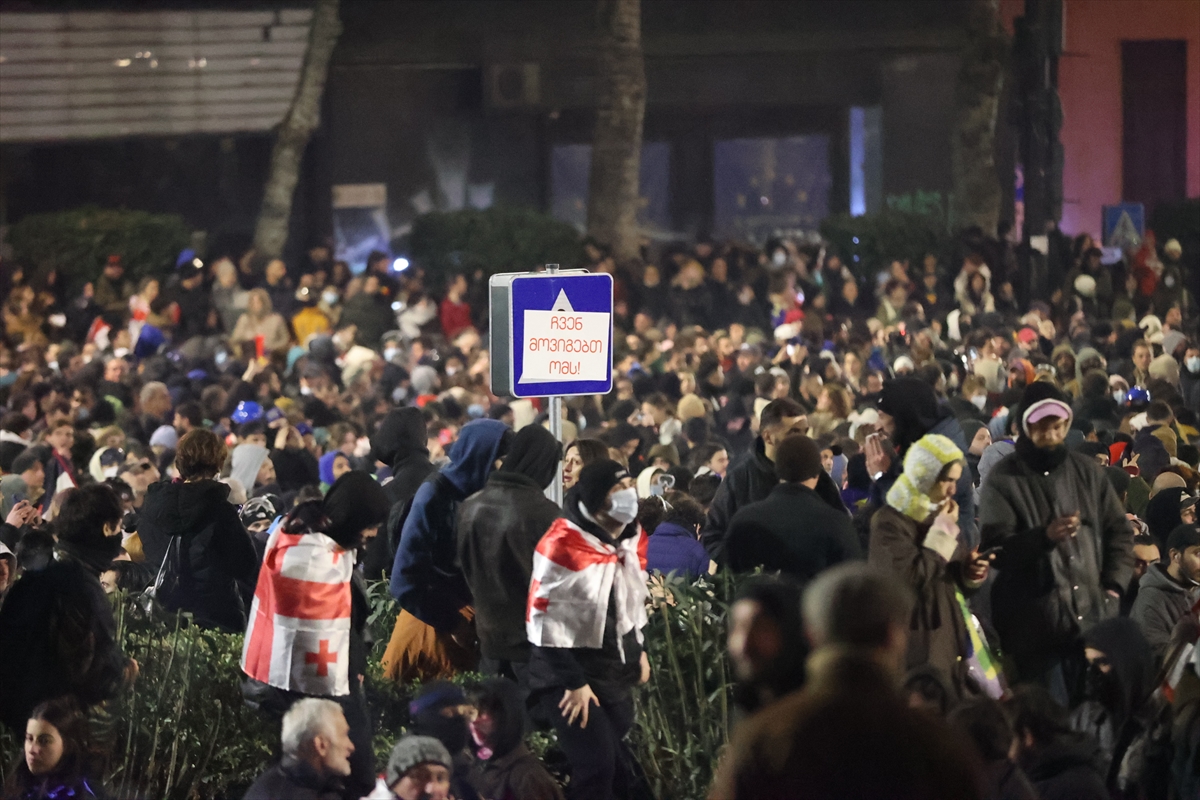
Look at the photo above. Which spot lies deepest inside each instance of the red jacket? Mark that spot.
(456, 317)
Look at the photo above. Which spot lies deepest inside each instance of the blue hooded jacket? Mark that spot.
(425, 578)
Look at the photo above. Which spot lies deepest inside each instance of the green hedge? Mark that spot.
(498, 239)
(897, 232)
(78, 242)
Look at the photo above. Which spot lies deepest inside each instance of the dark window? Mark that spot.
(1154, 99)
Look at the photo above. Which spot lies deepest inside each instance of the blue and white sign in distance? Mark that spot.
(561, 334)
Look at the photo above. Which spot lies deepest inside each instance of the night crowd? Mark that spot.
(972, 516)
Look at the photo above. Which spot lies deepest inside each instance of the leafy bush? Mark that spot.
(498, 239)
(683, 713)
(78, 242)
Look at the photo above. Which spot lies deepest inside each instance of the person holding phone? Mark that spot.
(1068, 548)
(917, 538)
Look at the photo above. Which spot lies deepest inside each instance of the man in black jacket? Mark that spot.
(794, 530)
(498, 529)
(316, 755)
(400, 442)
(753, 478)
(1067, 549)
(1166, 593)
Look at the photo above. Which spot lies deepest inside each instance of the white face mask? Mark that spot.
(330, 298)
(624, 506)
(389, 353)
(1118, 395)
(979, 401)
(779, 258)
(1193, 363)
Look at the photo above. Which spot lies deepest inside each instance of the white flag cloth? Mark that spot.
(574, 573)
(299, 633)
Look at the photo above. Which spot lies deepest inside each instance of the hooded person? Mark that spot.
(497, 531)
(506, 769)
(1067, 548)
(1162, 514)
(909, 409)
(58, 635)
(212, 563)
(314, 643)
(1169, 589)
(437, 712)
(916, 538)
(434, 633)
(1119, 679)
(586, 612)
(400, 444)
(332, 466)
(767, 646)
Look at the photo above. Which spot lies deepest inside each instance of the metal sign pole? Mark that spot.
(556, 488)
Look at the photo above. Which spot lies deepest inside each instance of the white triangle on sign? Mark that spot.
(561, 303)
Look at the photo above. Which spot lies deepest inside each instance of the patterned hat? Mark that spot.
(923, 462)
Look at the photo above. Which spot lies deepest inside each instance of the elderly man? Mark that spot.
(1064, 547)
(316, 755)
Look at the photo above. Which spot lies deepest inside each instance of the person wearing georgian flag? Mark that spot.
(307, 631)
(587, 608)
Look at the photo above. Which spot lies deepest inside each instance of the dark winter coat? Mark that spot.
(57, 636)
(937, 632)
(1004, 780)
(425, 576)
(219, 563)
(498, 529)
(515, 776)
(1045, 594)
(793, 531)
(746, 482)
(1161, 602)
(294, 780)
(400, 443)
(1065, 769)
(811, 744)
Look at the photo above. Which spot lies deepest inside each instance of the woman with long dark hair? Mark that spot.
(55, 762)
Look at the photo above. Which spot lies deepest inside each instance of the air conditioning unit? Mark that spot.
(513, 85)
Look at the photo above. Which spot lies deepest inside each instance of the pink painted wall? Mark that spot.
(1089, 79)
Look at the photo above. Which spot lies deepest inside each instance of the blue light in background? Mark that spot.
(858, 154)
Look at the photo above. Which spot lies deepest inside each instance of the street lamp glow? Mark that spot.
(400, 264)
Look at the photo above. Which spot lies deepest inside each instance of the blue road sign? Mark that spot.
(559, 334)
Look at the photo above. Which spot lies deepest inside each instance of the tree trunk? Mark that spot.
(977, 190)
(617, 144)
(271, 233)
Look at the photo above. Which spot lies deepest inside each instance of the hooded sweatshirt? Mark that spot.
(425, 578)
(399, 443)
(218, 564)
(1161, 601)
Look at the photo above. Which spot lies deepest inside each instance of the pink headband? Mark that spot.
(1043, 409)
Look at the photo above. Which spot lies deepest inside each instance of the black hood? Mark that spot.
(175, 508)
(502, 699)
(400, 435)
(1122, 641)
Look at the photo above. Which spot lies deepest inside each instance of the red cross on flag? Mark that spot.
(299, 632)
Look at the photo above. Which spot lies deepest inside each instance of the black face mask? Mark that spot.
(450, 731)
(1101, 686)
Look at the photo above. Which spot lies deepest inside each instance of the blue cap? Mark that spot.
(1137, 395)
(303, 428)
(150, 339)
(246, 411)
(197, 375)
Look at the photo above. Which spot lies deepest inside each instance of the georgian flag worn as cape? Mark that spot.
(573, 575)
(299, 633)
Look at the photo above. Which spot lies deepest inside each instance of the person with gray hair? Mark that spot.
(812, 742)
(316, 755)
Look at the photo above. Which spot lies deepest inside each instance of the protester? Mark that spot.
(434, 634)
(1060, 763)
(442, 710)
(57, 630)
(586, 614)
(498, 529)
(192, 536)
(984, 722)
(399, 443)
(811, 743)
(419, 769)
(507, 770)
(674, 546)
(766, 643)
(317, 751)
(56, 759)
(315, 644)
(764, 533)
(1167, 592)
(1057, 519)
(916, 538)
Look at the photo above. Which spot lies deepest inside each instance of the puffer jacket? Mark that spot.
(1160, 603)
(498, 529)
(1045, 594)
(219, 563)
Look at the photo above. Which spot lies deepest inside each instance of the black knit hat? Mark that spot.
(1183, 537)
(596, 481)
(797, 458)
(355, 502)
